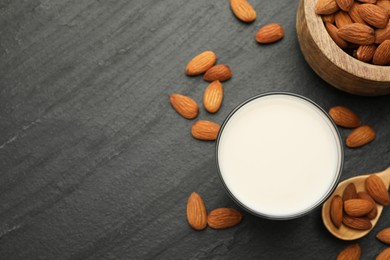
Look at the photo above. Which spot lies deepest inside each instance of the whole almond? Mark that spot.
(344, 117)
(185, 106)
(326, 7)
(351, 252)
(358, 207)
(354, 14)
(270, 33)
(345, 5)
(213, 95)
(243, 10)
(360, 136)
(385, 5)
(328, 18)
(205, 130)
(384, 236)
(365, 53)
(357, 33)
(350, 192)
(196, 212)
(357, 223)
(374, 212)
(382, 34)
(224, 218)
(374, 15)
(382, 54)
(219, 72)
(342, 19)
(384, 255)
(377, 190)
(201, 63)
(336, 210)
(333, 33)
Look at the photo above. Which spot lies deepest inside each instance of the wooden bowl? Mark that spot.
(331, 63)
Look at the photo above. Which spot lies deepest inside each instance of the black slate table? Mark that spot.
(95, 164)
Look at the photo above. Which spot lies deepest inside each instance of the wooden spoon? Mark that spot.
(346, 233)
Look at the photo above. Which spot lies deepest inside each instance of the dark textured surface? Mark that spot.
(95, 164)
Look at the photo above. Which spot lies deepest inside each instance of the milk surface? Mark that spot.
(279, 155)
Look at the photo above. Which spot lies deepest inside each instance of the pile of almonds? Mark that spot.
(345, 117)
(220, 218)
(362, 27)
(353, 252)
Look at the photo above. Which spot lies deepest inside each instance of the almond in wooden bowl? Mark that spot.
(332, 63)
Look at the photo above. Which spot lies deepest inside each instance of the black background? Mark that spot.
(94, 162)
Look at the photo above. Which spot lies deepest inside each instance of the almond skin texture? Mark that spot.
(374, 15)
(336, 210)
(344, 117)
(385, 5)
(357, 33)
(365, 53)
(201, 63)
(224, 218)
(196, 212)
(360, 136)
(377, 190)
(219, 72)
(243, 10)
(350, 192)
(354, 14)
(364, 195)
(384, 255)
(345, 5)
(351, 252)
(326, 7)
(382, 54)
(342, 19)
(205, 130)
(357, 223)
(358, 207)
(185, 106)
(333, 33)
(384, 236)
(270, 33)
(213, 95)
(382, 34)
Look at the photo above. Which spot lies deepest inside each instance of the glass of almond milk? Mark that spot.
(279, 155)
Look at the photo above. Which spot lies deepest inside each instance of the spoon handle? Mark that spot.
(385, 176)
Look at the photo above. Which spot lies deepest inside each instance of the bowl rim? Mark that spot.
(324, 197)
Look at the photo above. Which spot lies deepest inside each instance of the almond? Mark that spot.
(342, 19)
(270, 33)
(351, 252)
(185, 106)
(357, 33)
(358, 207)
(345, 5)
(350, 192)
(219, 72)
(365, 52)
(384, 255)
(360, 136)
(333, 33)
(384, 236)
(205, 130)
(385, 5)
(382, 34)
(336, 210)
(382, 54)
(201, 63)
(213, 95)
(377, 190)
(326, 7)
(224, 218)
(374, 212)
(374, 15)
(328, 18)
(243, 10)
(357, 223)
(344, 117)
(354, 14)
(196, 212)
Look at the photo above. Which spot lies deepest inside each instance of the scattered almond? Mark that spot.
(205, 130)
(213, 95)
(382, 54)
(270, 33)
(224, 218)
(358, 207)
(384, 255)
(344, 117)
(351, 252)
(374, 15)
(326, 7)
(219, 72)
(377, 190)
(360, 136)
(243, 10)
(374, 212)
(185, 106)
(357, 223)
(201, 63)
(350, 192)
(196, 212)
(336, 210)
(357, 33)
(384, 236)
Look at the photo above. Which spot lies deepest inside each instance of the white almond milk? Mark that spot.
(279, 155)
